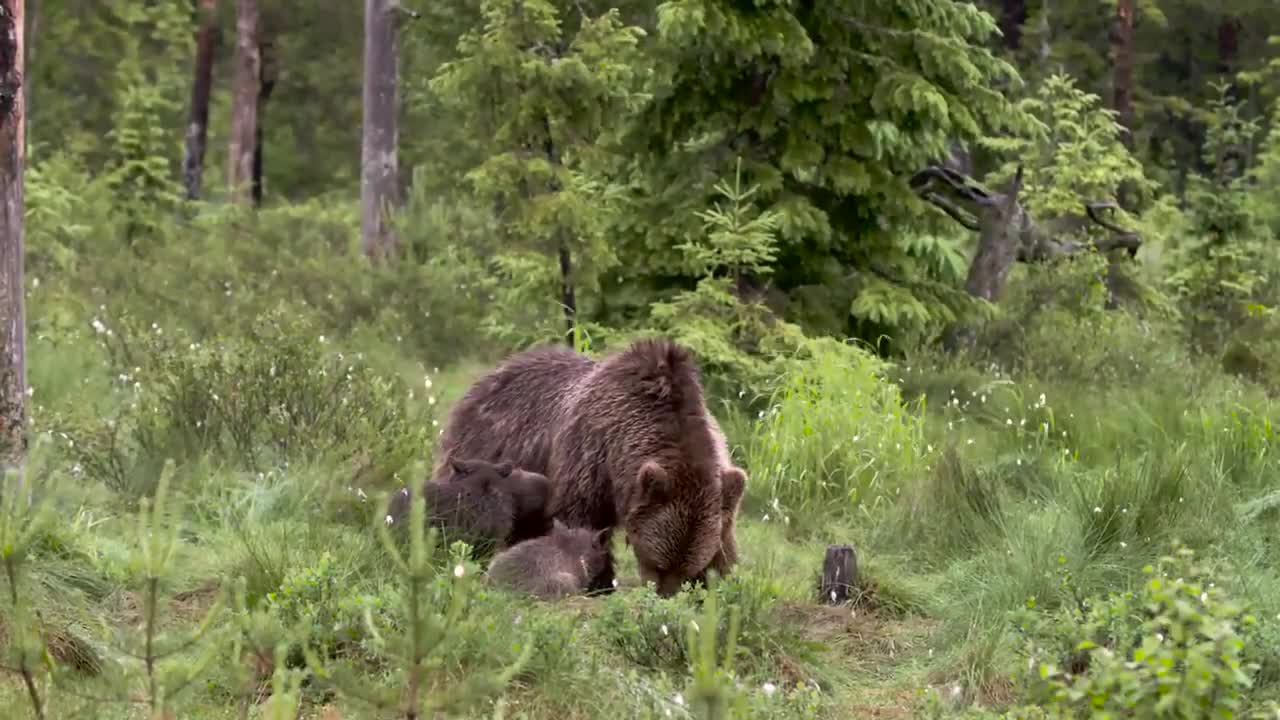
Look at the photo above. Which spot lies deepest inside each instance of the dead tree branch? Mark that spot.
(1007, 233)
(1001, 220)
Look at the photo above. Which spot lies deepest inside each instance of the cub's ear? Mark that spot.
(503, 469)
(655, 484)
(460, 467)
(733, 482)
(535, 493)
(601, 538)
(558, 526)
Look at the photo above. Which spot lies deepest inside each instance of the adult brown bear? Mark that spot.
(626, 441)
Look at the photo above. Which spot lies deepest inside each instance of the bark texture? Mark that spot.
(266, 83)
(1012, 17)
(13, 371)
(244, 108)
(1122, 64)
(201, 85)
(379, 171)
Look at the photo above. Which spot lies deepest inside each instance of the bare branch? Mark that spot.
(1126, 239)
(946, 206)
(960, 184)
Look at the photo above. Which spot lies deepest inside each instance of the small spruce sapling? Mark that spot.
(21, 524)
(712, 693)
(435, 607)
(262, 644)
(168, 666)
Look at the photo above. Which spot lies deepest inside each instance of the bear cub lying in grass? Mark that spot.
(488, 505)
(565, 562)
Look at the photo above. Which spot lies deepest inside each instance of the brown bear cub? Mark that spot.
(628, 442)
(488, 505)
(568, 561)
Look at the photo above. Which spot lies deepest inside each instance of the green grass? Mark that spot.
(962, 507)
(974, 533)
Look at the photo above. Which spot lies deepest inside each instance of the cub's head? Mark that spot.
(588, 548)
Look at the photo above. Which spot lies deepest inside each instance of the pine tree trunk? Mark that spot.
(266, 83)
(1122, 64)
(1012, 17)
(201, 86)
(379, 182)
(1046, 31)
(13, 372)
(1228, 44)
(568, 297)
(32, 13)
(244, 103)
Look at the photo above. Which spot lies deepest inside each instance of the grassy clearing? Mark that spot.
(969, 493)
(961, 515)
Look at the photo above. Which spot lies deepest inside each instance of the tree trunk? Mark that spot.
(244, 103)
(201, 86)
(1122, 65)
(379, 183)
(266, 83)
(998, 246)
(32, 19)
(1046, 32)
(1011, 20)
(13, 371)
(567, 296)
(1228, 44)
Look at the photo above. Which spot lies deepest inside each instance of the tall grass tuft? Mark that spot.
(836, 436)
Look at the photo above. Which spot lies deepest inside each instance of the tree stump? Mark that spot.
(839, 574)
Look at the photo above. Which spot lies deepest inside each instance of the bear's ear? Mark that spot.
(504, 469)
(557, 526)
(733, 482)
(460, 467)
(655, 484)
(601, 538)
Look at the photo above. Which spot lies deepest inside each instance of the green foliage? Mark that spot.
(22, 522)
(712, 695)
(540, 89)
(836, 433)
(733, 337)
(1074, 154)
(1225, 277)
(149, 97)
(164, 662)
(277, 395)
(732, 176)
(828, 107)
(435, 610)
(1175, 648)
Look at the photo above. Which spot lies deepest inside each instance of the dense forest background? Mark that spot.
(987, 290)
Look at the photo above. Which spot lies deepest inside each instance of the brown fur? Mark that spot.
(627, 441)
(486, 504)
(564, 562)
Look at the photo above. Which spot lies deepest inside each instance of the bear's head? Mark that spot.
(674, 525)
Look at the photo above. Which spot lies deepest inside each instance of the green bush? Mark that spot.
(278, 395)
(1173, 648)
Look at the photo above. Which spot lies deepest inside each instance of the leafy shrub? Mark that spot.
(1173, 648)
(646, 629)
(274, 396)
(316, 602)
